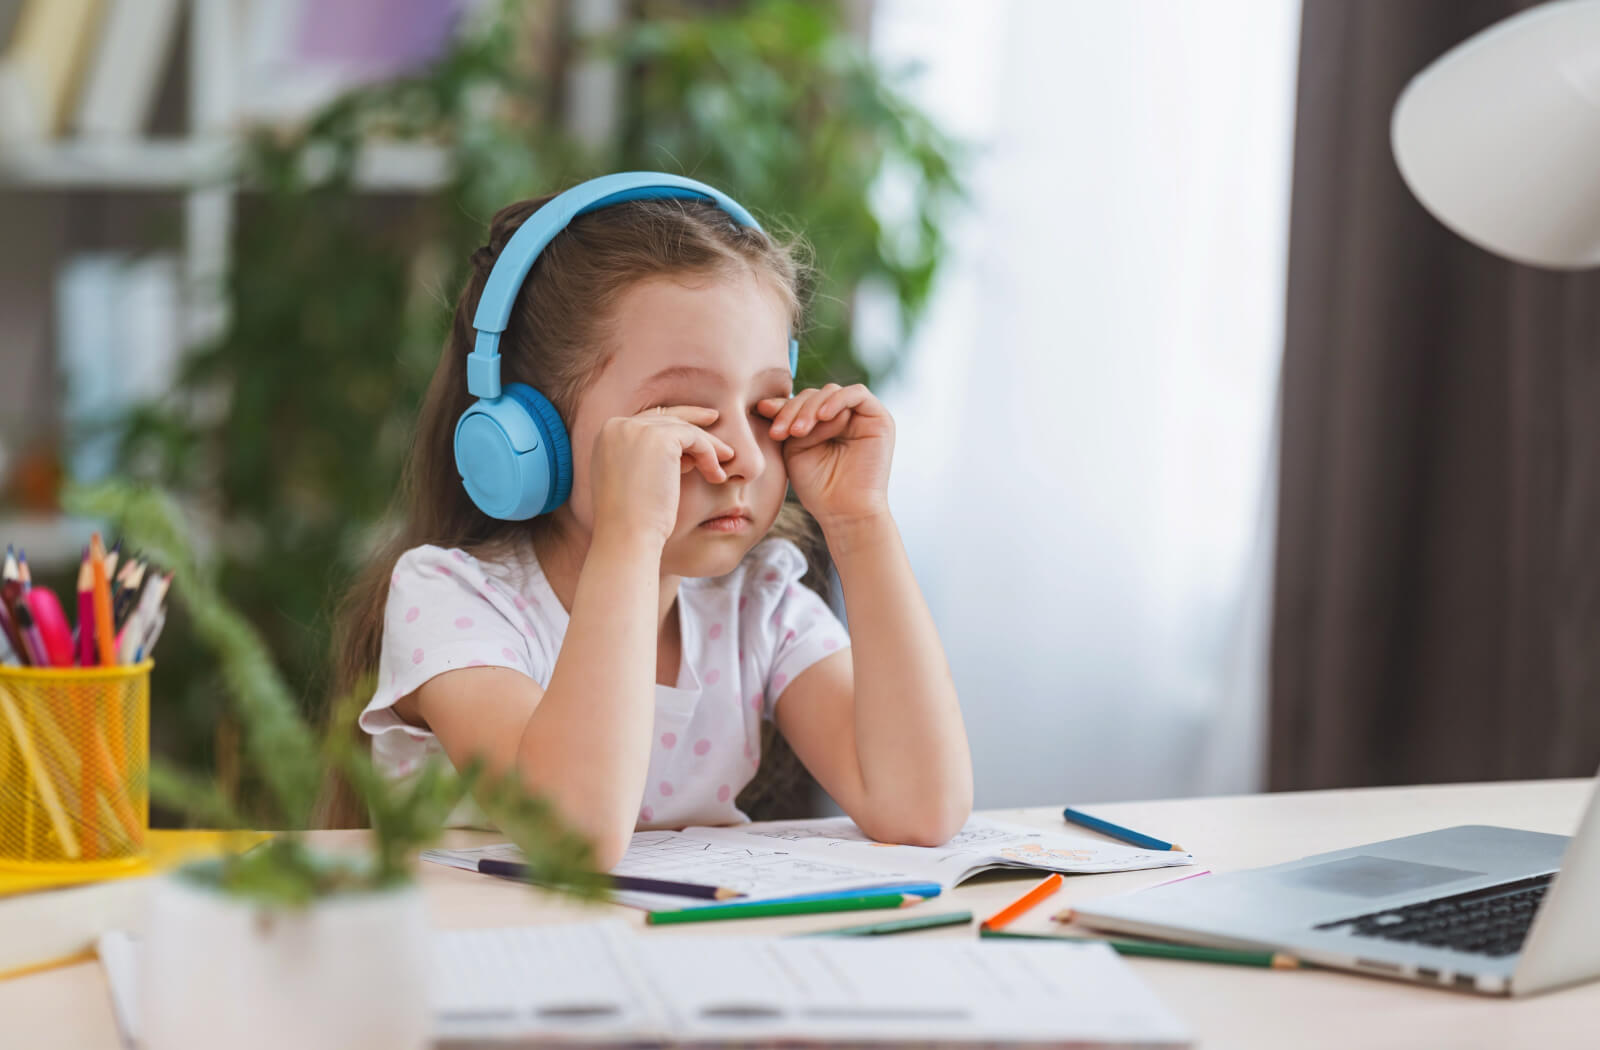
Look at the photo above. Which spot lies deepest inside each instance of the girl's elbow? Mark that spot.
(931, 825)
(606, 849)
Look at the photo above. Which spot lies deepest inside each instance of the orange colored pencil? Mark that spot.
(1005, 915)
(102, 602)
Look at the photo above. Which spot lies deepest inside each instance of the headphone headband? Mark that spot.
(540, 228)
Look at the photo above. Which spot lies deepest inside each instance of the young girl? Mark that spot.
(620, 652)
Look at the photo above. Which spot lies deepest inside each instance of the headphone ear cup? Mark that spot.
(513, 454)
(556, 442)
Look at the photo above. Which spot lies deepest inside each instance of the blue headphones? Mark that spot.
(511, 447)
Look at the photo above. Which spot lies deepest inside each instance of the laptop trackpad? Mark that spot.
(1364, 876)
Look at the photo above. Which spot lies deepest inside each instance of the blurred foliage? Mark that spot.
(287, 432)
(292, 759)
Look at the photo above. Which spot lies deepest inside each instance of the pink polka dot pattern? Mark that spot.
(830, 644)
(520, 602)
(416, 656)
(778, 682)
(716, 631)
(723, 792)
(789, 635)
(446, 573)
(508, 654)
(647, 814)
(669, 740)
(755, 702)
(701, 746)
(412, 614)
(665, 787)
(476, 663)
(771, 576)
(459, 555)
(742, 603)
(713, 676)
(464, 622)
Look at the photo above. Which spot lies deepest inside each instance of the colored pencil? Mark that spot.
(8, 594)
(763, 909)
(511, 869)
(23, 570)
(877, 929)
(916, 889)
(1017, 907)
(1157, 950)
(122, 596)
(51, 623)
(103, 634)
(86, 654)
(10, 591)
(1117, 831)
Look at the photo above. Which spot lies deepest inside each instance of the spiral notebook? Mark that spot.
(778, 859)
(600, 983)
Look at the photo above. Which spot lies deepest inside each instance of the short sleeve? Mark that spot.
(445, 613)
(794, 625)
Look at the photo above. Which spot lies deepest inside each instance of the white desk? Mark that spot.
(1226, 1006)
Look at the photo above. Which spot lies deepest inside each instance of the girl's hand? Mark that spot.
(639, 462)
(837, 444)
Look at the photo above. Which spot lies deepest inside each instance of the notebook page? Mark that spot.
(572, 980)
(736, 989)
(982, 843)
(714, 857)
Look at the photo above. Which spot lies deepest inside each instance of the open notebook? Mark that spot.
(768, 861)
(600, 983)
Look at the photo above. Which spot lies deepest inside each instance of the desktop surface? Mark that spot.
(1225, 1006)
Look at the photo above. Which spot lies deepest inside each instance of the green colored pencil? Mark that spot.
(873, 929)
(1189, 952)
(759, 909)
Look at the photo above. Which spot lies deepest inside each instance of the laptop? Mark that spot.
(1484, 909)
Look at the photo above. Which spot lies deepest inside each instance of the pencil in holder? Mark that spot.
(74, 767)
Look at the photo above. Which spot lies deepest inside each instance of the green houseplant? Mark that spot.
(283, 944)
(288, 431)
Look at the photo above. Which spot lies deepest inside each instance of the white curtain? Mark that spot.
(1087, 425)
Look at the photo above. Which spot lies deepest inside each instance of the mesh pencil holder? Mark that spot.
(74, 767)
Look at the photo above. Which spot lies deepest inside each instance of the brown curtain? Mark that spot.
(1437, 605)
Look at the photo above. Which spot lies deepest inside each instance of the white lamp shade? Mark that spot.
(1500, 137)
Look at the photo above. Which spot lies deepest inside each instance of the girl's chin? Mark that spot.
(706, 553)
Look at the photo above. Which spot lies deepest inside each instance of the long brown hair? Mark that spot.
(555, 342)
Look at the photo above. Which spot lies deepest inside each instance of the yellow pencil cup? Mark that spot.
(74, 767)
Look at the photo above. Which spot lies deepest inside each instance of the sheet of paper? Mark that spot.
(603, 983)
(574, 979)
(738, 988)
(980, 844)
(713, 857)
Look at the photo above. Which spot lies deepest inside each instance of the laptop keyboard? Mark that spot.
(1485, 922)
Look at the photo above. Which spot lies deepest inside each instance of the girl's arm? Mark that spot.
(584, 742)
(879, 724)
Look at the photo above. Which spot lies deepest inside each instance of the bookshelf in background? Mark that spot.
(149, 101)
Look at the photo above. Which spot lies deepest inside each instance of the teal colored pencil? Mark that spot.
(875, 929)
(760, 909)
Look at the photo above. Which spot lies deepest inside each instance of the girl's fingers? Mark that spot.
(697, 417)
(855, 396)
(784, 420)
(807, 417)
(698, 451)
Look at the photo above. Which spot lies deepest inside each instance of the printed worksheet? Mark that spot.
(782, 859)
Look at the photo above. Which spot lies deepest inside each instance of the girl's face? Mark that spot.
(720, 342)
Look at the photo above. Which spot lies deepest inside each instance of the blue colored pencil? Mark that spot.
(1117, 831)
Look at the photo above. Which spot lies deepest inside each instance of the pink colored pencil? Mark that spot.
(86, 654)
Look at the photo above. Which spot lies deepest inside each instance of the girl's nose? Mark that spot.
(748, 460)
